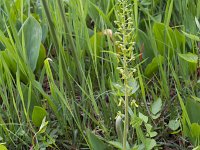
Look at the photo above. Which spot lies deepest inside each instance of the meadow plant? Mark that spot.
(125, 44)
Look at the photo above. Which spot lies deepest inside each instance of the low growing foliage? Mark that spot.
(109, 74)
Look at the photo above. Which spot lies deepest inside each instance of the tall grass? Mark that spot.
(76, 80)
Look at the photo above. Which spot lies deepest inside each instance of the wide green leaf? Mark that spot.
(2, 147)
(153, 66)
(195, 133)
(156, 106)
(95, 142)
(150, 144)
(132, 86)
(150, 132)
(38, 115)
(193, 110)
(32, 35)
(165, 39)
(120, 88)
(191, 36)
(189, 57)
(143, 117)
(146, 46)
(173, 124)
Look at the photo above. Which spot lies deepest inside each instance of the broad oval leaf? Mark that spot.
(2, 147)
(149, 143)
(174, 124)
(195, 130)
(189, 57)
(95, 141)
(154, 65)
(146, 46)
(38, 115)
(193, 110)
(32, 34)
(156, 106)
(143, 117)
(165, 38)
(119, 89)
(133, 86)
(191, 36)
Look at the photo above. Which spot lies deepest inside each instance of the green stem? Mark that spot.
(126, 101)
(126, 116)
(126, 87)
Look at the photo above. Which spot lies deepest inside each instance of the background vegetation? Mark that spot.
(91, 74)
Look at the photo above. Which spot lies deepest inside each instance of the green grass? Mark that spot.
(66, 83)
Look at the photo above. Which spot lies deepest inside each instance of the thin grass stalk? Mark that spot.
(126, 123)
(56, 41)
(51, 24)
(61, 96)
(19, 88)
(18, 46)
(71, 40)
(10, 87)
